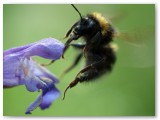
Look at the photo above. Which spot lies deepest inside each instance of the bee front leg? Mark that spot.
(78, 46)
(77, 59)
(70, 30)
(52, 61)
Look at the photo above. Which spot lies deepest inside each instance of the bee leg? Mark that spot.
(72, 84)
(78, 45)
(76, 61)
(70, 30)
(91, 66)
(52, 61)
(81, 79)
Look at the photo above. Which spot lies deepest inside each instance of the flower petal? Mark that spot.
(19, 68)
(12, 72)
(48, 48)
(16, 49)
(49, 97)
(34, 105)
(13, 75)
(42, 71)
(32, 78)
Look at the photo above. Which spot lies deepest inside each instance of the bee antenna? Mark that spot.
(77, 11)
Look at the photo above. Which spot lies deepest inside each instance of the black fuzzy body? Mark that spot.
(98, 51)
(95, 52)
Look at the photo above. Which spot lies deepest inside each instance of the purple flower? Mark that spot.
(20, 69)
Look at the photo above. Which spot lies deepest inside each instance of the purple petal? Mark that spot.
(49, 94)
(49, 97)
(34, 105)
(12, 72)
(48, 48)
(34, 78)
(19, 68)
(16, 49)
(42, 71)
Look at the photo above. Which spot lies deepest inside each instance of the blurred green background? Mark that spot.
(128, 91)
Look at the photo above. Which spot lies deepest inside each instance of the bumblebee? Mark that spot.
(99, 53)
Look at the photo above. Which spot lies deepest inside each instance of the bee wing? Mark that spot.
(116, 17)
(137, 48)
(138, 36)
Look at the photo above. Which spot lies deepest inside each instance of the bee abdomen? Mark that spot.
(99, 69)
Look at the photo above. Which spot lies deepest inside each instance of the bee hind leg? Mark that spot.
(72, 84)
(91, 66)
(82, 78)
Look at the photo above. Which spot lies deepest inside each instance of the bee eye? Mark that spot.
(77, 28)
(84, 21)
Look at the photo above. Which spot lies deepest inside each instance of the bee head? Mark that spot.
(84, 26)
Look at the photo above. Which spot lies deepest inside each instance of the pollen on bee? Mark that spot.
(102, 21)
(114, 47)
